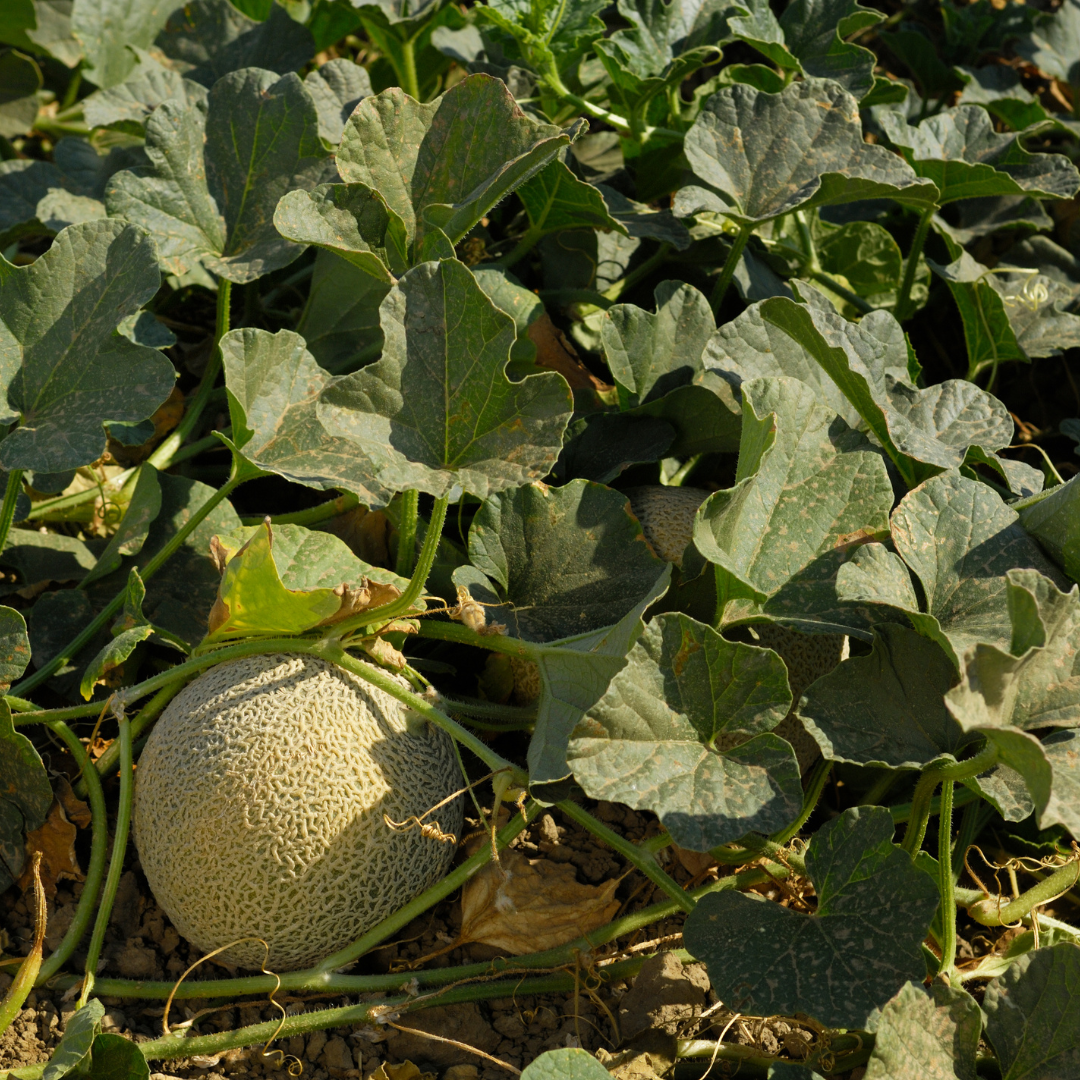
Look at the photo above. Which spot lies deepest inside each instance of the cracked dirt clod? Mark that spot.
(665, 995)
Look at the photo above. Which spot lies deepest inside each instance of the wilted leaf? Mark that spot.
(527, 905)
(65, 370)
(754, 149)
(55, 839)
(840, 963)
(210, 192)
(25, 795)
(462, 420)
(1032, 1018)
(808, 488)
(669, 736)
(932, 1036)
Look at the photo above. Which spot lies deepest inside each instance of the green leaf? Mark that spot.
(1062, 750)
(1000, 90)
(574, 673)
(215, 39)
(145, 505)
(131, 630)
(670, 736)
(1054, 44)
(340, 321)
(650, 355)
(20, 80)
(14, 646)
(446, 164)
(572, 1064)
(25, 794)
(75, 1043)
(112, 1057)
(814, 32)
(43, 558)
(568, 560)
(214, 181)
(768, 154)
(556, 199)
(932, 1036)
(1053, 518)
(336, 88)
(886, 709)
(274, 384)
(64, 369)
(839, 964)
(53, 31)
(645, 222)
(934, 427)
(960, 539)
(107, 27)
(807, 487)
(1032, 1018)
(964, 157)
(127, 105)
(603, 446)
(462, 421)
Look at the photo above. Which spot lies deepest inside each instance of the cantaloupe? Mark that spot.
(667, 520)
(259, 808)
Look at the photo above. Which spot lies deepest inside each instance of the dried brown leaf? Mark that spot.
(554, 352)
(56, 842)
(78, 813)
(529, 905)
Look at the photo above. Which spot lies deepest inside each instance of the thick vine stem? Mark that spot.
(7, 508)
(410, 506)
(99, 842)
(730, 266)
(72, 649)
(116, 863)
(313, 515)
(990, 911)
(931, 777)
(903, 299)
(947, 963)
(644, 861)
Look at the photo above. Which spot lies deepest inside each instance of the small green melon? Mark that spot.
(259, 808)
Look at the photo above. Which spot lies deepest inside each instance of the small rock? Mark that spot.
(315, 1043)
(509, 1025)
(549, 831)
(461, 1072)
(337, 1054)
(663, 997)
(125, 912)
(464, 1023)
(136, 961)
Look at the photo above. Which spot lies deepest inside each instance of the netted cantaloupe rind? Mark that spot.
(667, 517)
(259, 803)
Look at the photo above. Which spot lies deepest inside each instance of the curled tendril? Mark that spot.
(1033, 293)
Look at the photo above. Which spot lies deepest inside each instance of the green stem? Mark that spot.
(903, 300)
(116, 863)
(807, 241)
(313, 515)
(99, 843)
(762, 845)
(730, 266)
(657, 258)
(406, 549)
(945, 883)
(631, 852)
(819, 777)
(880, 788)
(462, 635)
(679, 477)
(386, 682)
(521, 713)
(553, 81)
(7, 509)
(990, 911)
(145, 717)
(928, 782)
(104, 617)
(902, 811)
(35, 715)
(833, 285)
(410, 83)
(575, 296)
(526, 242)
(161, 458)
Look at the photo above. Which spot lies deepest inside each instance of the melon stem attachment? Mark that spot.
(116, 863)
(99, 843)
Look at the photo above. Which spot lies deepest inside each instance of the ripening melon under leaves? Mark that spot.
(259, 809)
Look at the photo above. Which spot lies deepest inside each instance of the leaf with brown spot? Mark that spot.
(528, 905)
(56, 842)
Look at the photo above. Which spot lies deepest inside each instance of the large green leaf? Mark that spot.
(210, 193)
(567, 560)
(848, 958)
(443, 165)
(462, 420)
(556, 199)
(274, 384)
(661, 738)
(25, 793)
(1054, 44)
(960, 539)
(107, 27)
(649, 354)
(931, 1036)
(886, 709)
(964, 157)
(208, 39)
(571, 1064)
(935, 427)
(1033, 1015)
(113, 1057)
(64, 370)
(336, 88)
(20, 80)
(807, 487)
(767, 154)
(127, 105)
(1053, 518)
(74, 1045)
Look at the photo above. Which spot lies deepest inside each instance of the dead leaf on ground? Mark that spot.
(532, 904)
(56, 842)
(78, 813)
(554, 352)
